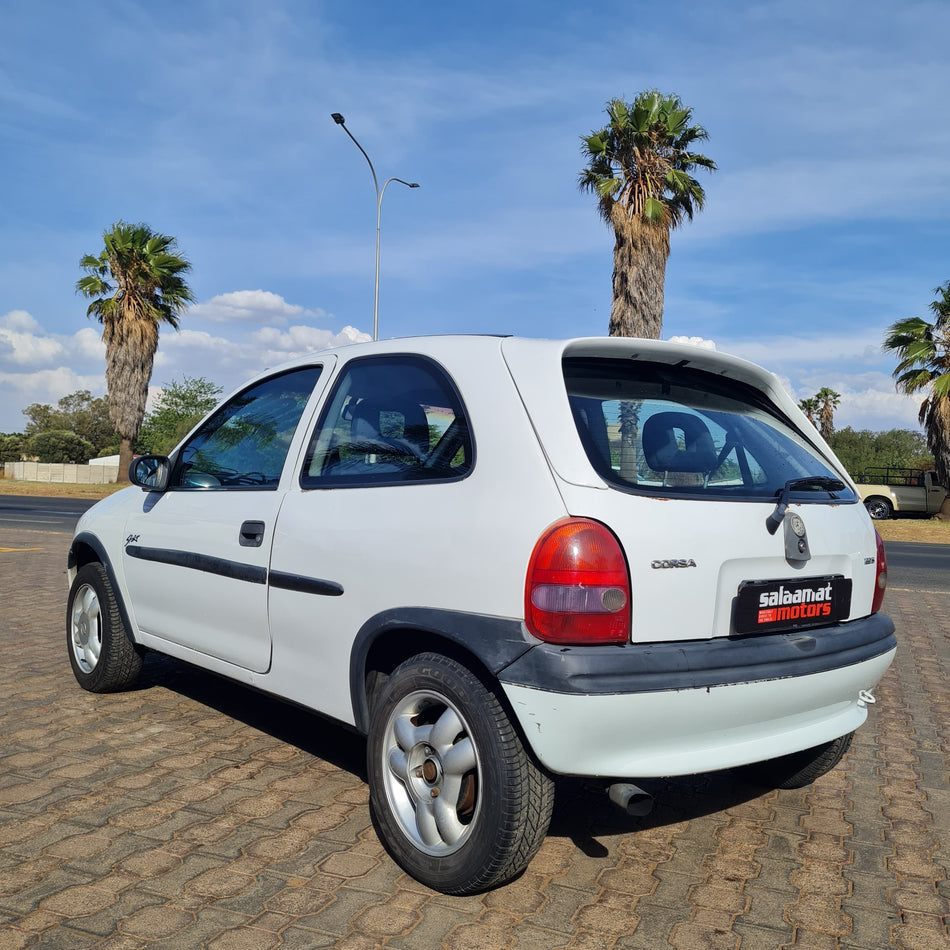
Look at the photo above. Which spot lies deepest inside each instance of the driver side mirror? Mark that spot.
(150, 472)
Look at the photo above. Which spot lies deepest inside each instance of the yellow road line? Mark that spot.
(15, 550)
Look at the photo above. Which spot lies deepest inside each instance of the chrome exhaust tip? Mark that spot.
(631, 799)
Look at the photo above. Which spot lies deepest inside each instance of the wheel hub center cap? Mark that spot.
(425, 771)
(83, 631)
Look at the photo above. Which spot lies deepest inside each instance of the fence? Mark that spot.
(61, 472)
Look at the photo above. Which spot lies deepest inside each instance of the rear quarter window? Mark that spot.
(390, 420)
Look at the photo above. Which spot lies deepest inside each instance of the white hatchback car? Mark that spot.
(503, 559)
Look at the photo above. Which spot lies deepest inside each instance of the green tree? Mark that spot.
(923, 350)
(895, 448)
(135, 283)
(40, 415)
(178, 408)
(638, 167)
(810, 407)
(78, 412)
(60, 445)
(11, 447)
(827, 400)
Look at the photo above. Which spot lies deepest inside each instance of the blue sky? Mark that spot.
(828, 219)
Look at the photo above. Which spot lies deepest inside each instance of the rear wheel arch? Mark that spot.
(391, 647)
(485, 644)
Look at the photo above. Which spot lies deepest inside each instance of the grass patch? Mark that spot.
(9, 486)
(926, 530)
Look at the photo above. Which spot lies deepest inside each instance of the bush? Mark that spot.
(11, 448)
(59, 445)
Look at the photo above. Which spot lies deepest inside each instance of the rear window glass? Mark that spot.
(679, 432)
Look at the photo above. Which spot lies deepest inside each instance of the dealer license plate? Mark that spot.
(765, 606)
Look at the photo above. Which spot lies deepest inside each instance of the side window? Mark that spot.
(390, 420)
(244, 444)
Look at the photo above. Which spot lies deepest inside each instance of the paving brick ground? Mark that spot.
(194, 813)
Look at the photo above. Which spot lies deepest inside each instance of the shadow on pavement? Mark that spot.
(582, 811)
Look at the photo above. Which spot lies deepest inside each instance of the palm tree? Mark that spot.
(810, 407)
(828, 401)
(923, 348)
(135, 284)
(639, 168)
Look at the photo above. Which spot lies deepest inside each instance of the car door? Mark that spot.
(196, 556)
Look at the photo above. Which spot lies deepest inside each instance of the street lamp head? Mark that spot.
(413, 184)
(337, 118)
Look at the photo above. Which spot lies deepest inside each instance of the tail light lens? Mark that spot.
(880, 580)
(578, 589)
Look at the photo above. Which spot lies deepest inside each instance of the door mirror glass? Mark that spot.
(150, 472)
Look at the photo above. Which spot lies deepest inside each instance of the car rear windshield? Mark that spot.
(679, 432)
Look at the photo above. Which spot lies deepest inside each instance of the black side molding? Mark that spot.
(305, 585)
(200, 562)
(236, 570)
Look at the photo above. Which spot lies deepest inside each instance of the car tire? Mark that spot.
(456, 799)
(800, 768)
(103, 657)
(880, 509)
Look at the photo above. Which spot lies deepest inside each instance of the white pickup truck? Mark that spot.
(886, 491)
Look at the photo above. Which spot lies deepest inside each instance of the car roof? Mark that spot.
(661, 351)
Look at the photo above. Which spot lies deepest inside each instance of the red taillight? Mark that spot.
(880, 580)
(578, 590)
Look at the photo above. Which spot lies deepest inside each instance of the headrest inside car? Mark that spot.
(678, 442)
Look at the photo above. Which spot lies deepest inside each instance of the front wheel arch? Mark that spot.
(101, 652)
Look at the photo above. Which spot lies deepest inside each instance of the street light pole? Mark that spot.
(379, 209)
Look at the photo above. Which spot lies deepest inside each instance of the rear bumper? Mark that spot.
(677, 709)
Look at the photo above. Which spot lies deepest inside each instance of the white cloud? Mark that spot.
(694, 341)
(32, 366)
(844, 364)
(807, 351)
(21, 341)
(19, 320)
(88, 343)
(251, 307)
(228, 361)
(877, 410)
(32, 370)
(19, 390)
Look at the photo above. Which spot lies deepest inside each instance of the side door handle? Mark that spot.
(252, 534)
